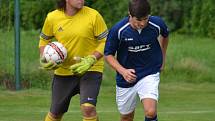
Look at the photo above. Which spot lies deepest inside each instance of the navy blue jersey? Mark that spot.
(136, 50)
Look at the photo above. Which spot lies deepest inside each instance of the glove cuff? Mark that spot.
(42, 60)
(92, 58)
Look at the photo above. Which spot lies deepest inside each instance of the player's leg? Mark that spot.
(89, 90)
(52, 117)
(126, 99)
(63, 88)
(127, 117)
(148, 92)
(150, 109)
(89, 112)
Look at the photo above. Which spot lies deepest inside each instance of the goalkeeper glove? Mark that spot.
(48, 65)
(84, 64)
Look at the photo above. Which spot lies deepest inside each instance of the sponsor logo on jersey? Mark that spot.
(139, 48)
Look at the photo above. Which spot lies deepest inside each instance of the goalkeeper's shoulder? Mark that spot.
(55, 15)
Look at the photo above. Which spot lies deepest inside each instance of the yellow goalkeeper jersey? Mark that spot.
(81, 34)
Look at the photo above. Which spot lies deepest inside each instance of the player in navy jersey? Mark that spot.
(139, 42)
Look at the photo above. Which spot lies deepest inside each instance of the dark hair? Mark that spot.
(139, 8)
(61, 5)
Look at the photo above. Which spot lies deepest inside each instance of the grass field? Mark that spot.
(178, 102)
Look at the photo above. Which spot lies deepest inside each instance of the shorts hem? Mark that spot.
(149, 96)
(125, 113)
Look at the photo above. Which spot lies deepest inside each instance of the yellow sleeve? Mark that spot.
(100, 47)
(47, 33)
(100, 32)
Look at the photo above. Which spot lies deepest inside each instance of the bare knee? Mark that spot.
(88, 110)
(150, 107)
(150, 113)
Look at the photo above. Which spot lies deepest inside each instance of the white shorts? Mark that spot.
(147, 87)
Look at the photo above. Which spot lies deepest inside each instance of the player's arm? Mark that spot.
(163, 43)
(47, 33)
(100, 33)
(163, 40)
(97, 55)
(111, 47)
(45, 37)
(41, 49)
(128, 74)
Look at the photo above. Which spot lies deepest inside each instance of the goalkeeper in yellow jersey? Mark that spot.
(83, 32)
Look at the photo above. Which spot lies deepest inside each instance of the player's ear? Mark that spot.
(129, 13)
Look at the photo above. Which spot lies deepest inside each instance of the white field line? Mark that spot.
(114, 111)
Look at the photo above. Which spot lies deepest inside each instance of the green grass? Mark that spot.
(178, 102)
(190, 59)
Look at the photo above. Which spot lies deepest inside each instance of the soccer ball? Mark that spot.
(55, 51)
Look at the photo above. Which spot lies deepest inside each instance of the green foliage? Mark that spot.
(170, 10)
(32, 13)
(190, 17)
(200, 19)
(112, 10)
(208, 15)
(5, 14)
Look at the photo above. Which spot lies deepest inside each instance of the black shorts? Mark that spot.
(65, 87)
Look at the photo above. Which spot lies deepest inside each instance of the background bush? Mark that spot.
(190, 17)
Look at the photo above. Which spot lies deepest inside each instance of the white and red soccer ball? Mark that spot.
(55, 51)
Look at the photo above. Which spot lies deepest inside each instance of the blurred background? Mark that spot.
(187, 83)
(190, 54)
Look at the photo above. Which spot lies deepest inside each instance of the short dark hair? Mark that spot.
(139, 8)
(61, 5)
